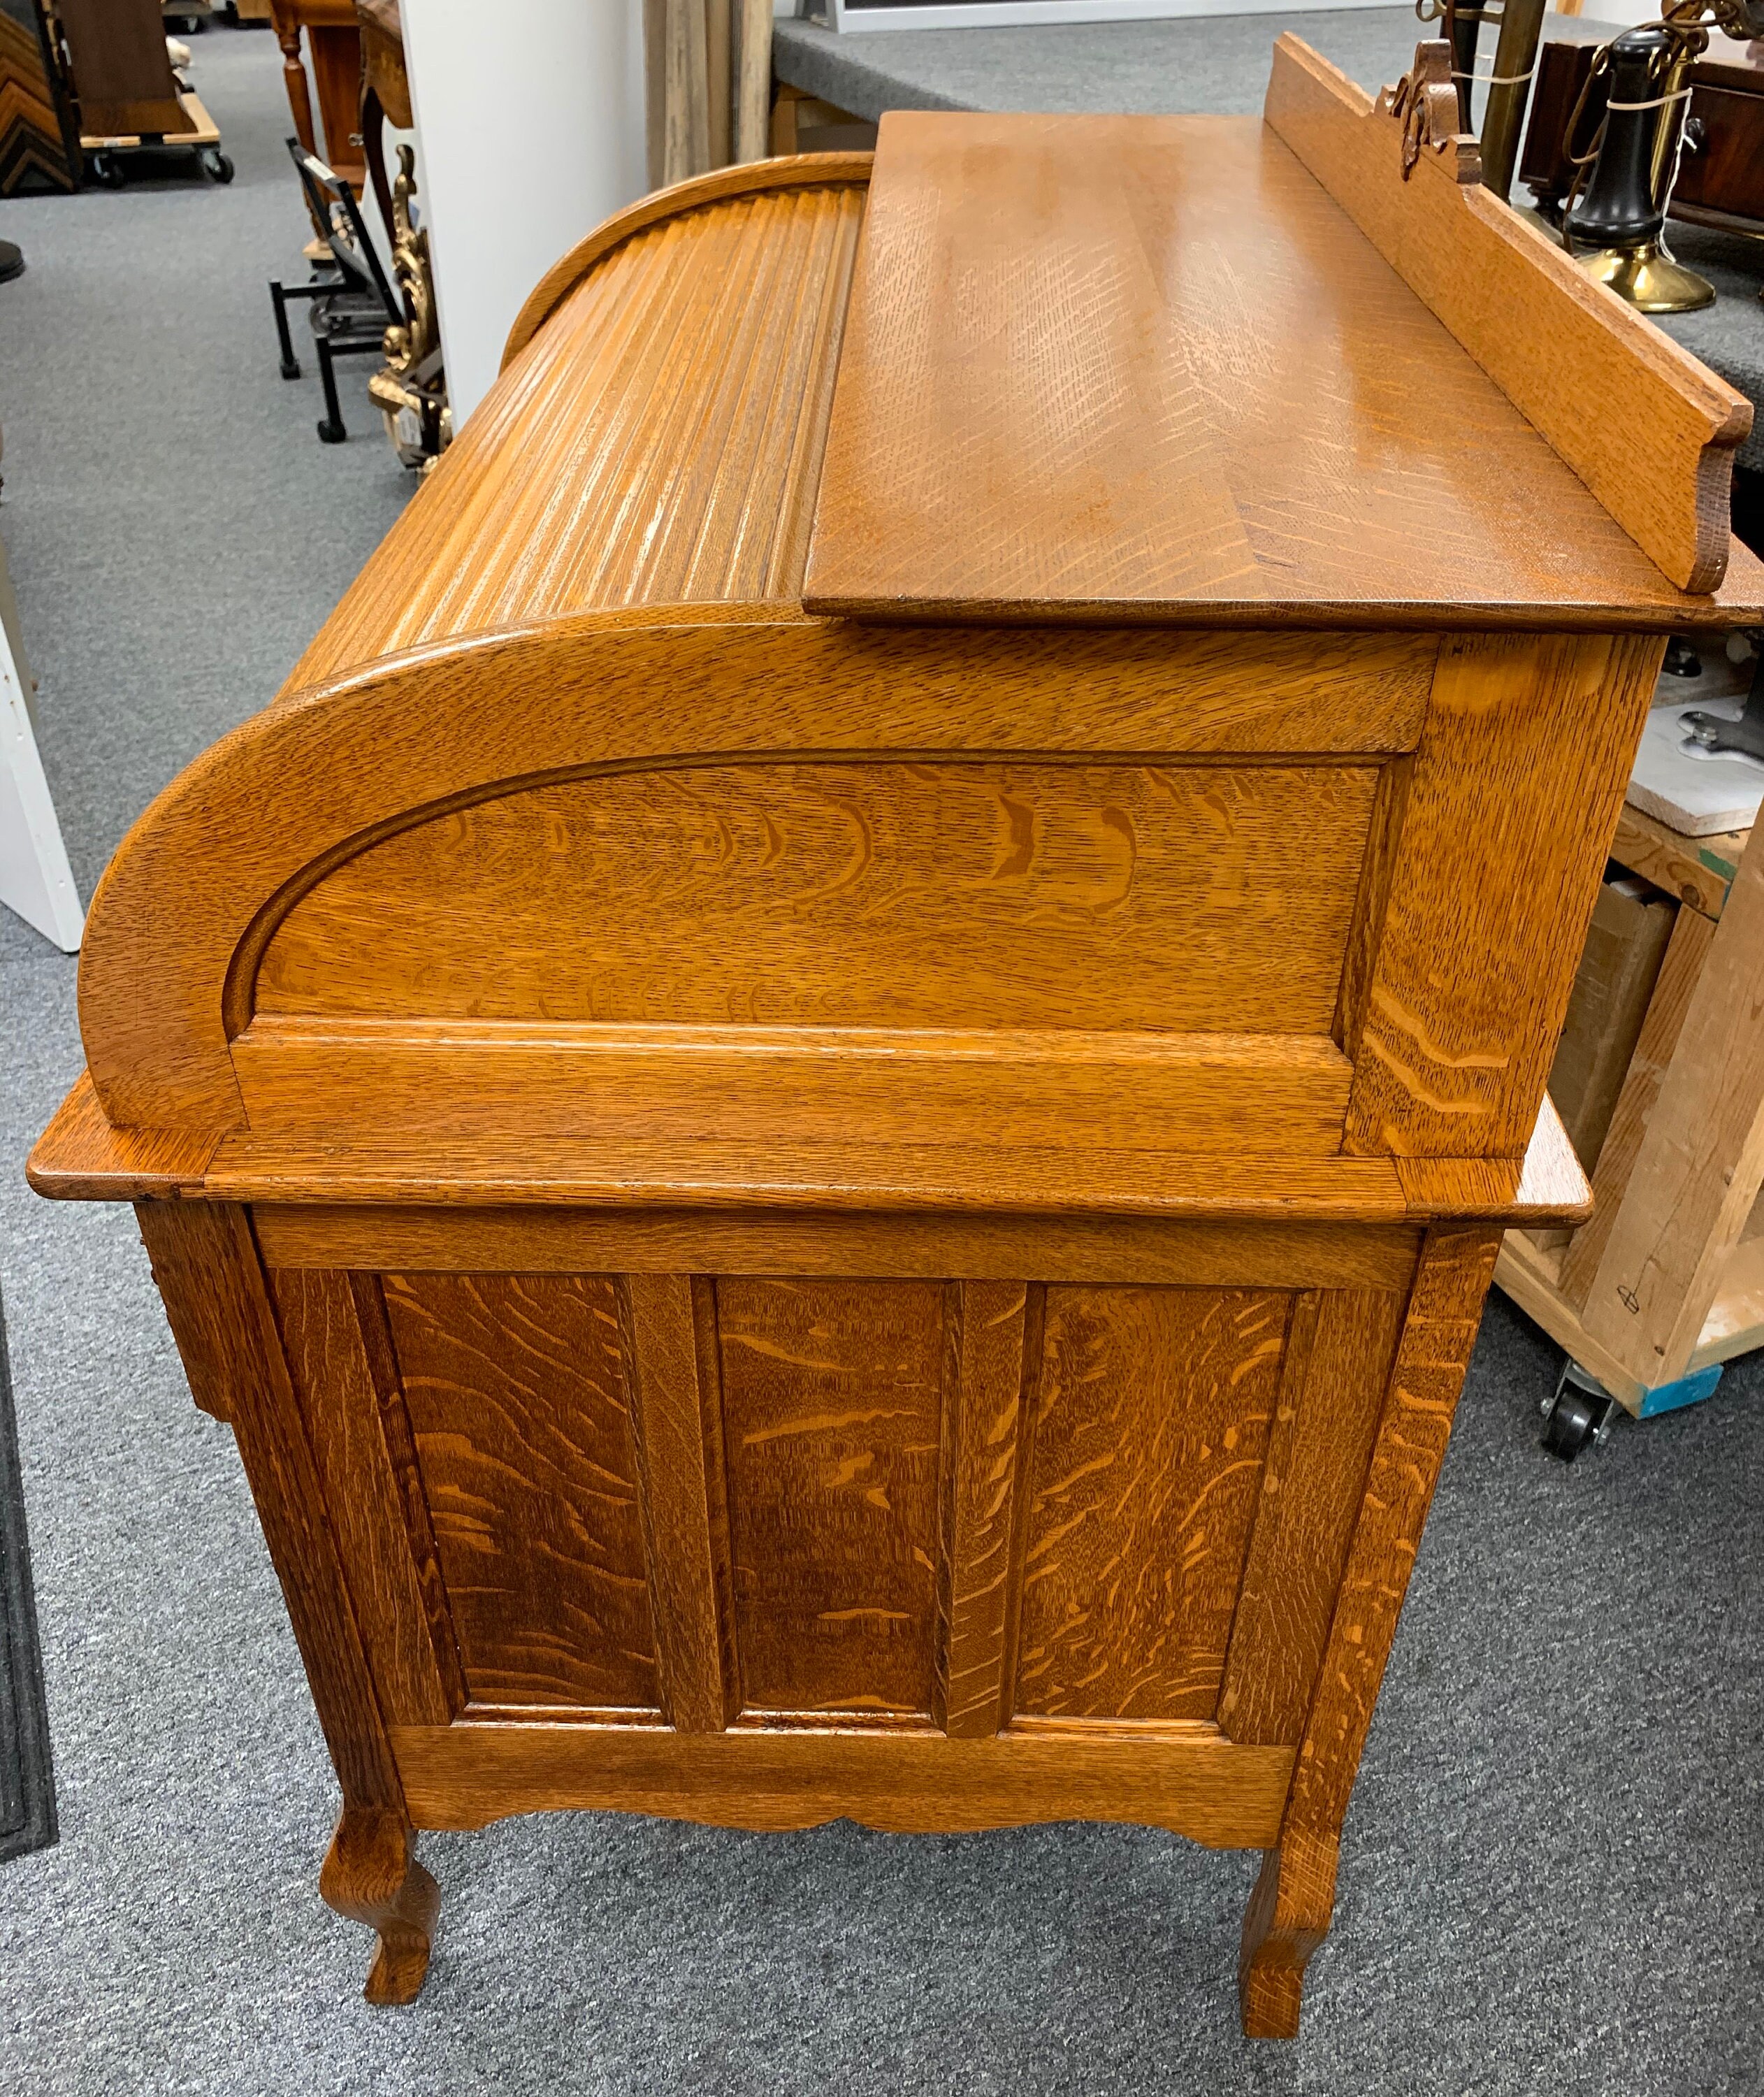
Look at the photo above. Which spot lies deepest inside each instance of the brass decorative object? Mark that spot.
(410, 391)
(1615, 231)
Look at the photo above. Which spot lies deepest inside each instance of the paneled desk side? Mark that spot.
(798, 1217)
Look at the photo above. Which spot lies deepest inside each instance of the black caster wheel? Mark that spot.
(1578, 1415)
(219, 167)
(1682, 659)
(106, 171)
(331, 433)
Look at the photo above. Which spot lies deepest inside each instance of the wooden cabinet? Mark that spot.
(832, 1098)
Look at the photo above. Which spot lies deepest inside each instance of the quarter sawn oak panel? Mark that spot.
(832, 1405)
(1151, 1422)
(515, 1388)
(1197, 897)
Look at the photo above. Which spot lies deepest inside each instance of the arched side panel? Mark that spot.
(376, 753)
(902, 892)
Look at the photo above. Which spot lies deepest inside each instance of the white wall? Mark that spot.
(531, 115)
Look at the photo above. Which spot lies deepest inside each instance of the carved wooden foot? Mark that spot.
(1287, 1919)
(372, 1875)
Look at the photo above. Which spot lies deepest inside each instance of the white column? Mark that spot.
(531, 117)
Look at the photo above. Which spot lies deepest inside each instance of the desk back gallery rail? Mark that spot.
(836, 1151)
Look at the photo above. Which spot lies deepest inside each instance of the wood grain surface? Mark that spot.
(1507, 818)
(1332, 1390)
(659, 442)
(211, 1280)
(1700, 1162)
(1188, 1779)
(1546, 1186)
(996, 1329)
(1451, 1284)
(832, 1396)
(1659, 457)
(371, 1875)
(80, 1157)
(1687, 950)
(1289, 1914)
(516, 1391)
(979, 1177)
(1146, 367)
(345, 1392)
(1699, 871)
(1274, 1253)
(1151, 1420)
(1200, 898)
(675, 1372)
(1058, 1091)
(720, 186)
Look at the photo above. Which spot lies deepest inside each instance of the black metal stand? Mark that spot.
(353, 302)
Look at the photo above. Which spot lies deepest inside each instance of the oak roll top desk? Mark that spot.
(832, 1097)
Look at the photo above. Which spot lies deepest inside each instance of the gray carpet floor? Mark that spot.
(1551, 1874)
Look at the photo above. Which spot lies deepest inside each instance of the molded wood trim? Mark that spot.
(1188, 1780)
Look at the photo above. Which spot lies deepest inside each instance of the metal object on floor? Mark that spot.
(1577, 1414)
(353, 305)
(27, 1774)
(1723, 736)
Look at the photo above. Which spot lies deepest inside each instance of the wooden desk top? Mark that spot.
(1117, 368)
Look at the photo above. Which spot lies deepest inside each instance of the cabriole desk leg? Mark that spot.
(1289, 1911)
(371, 1875)
(211, 1279)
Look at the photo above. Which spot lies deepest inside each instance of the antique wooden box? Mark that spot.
(832, 1097)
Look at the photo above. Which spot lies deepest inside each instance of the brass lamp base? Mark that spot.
(1649, 279)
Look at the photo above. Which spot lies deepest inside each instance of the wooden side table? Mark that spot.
(335, 42)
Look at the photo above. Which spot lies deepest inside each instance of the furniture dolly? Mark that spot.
(832, 1097)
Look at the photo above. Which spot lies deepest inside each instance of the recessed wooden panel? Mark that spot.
(1212, 897)
(1150, 1425)
(832, 1404)
(516, 1391)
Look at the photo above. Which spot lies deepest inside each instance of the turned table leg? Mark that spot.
(371, 1875)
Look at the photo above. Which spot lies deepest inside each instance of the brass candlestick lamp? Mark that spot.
(1614, 230)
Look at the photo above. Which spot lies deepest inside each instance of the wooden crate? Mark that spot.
(1667, 1283)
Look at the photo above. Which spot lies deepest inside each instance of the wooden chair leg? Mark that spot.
(372, 1875)
(1287, 1919)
